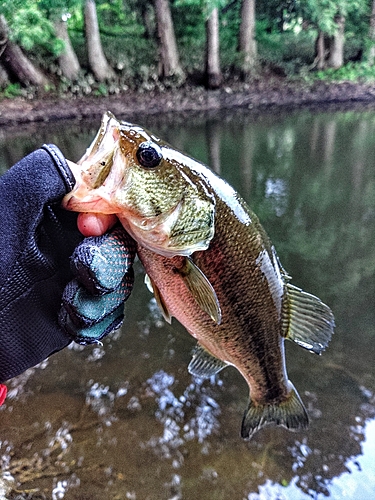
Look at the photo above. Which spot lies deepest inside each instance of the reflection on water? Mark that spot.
(196, 399)
(127, 421)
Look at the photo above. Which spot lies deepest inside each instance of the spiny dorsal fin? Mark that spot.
(201, 289)
(203, 364)
(290, 413)
(307, 320)
(159, 299)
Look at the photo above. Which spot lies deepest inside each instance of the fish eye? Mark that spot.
(149, 154)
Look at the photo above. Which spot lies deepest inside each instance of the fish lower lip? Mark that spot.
(78, 205)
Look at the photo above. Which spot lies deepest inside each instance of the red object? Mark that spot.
(3, 393)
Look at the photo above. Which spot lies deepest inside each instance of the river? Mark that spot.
(126, 420)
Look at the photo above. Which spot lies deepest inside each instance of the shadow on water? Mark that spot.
(127, 421)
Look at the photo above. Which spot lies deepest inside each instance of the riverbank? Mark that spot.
(259, 95)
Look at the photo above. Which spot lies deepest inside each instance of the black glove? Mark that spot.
(37, 239)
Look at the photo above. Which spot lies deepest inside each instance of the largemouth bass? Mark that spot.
(209, 263)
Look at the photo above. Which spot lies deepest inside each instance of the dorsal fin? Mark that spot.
(307, 320)
(203, 364)
(201, 289)
(159, 299)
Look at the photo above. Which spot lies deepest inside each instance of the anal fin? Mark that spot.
(159, 299)
(203, 364)
(290, 413)
(307, 320)
(201, 289)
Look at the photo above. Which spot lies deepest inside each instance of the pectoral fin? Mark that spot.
(203, 364)
(159, 299)
(201, 289)
(307, 320)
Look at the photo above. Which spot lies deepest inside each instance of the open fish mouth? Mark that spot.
(83, 198)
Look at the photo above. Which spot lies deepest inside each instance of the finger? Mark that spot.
(93, 224)
(92, 334)
(100, 262)
(85, 310)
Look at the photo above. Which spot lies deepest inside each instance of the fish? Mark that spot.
(209, 263)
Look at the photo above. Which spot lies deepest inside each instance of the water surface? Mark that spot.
(127, 421)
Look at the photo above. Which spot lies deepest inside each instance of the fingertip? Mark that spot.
(93, 224)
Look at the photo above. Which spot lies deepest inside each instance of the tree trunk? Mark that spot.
(247, 44)
(4, 80)
(16, 63)
(148, 18)
(169, 61)
(213, 75)
(336, 46)
(213, 142)
(371, 51)
(320, 51)
(97, 60)
(68, 60)
(246, 161)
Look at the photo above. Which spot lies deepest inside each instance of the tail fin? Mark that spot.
(290, 413)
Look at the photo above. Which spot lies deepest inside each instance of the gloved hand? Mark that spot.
(93, 303)
(37, 240)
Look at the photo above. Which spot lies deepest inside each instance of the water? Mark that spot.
(127, 421)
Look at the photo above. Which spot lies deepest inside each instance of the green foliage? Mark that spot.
(30, 28)
(117, 18)
(275, 13)
(189, 23)
(102, 90)
(54, 9)
(291, 51)
(12, 90)
(322, 13)
(205, 7)
(189, 20)
(353, 72)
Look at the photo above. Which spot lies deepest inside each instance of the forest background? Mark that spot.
(87, 47)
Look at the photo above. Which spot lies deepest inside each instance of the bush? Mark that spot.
(353, 72)
(292, 52)
(12, 90)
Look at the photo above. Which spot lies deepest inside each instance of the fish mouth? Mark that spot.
(83, 198)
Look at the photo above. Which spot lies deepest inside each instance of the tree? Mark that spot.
(320, 50)
(97, 60)
(58, 12)
(16, 63)
(213, 71)
(329, 17)
(213, 139)
(68, 60)
(330, 49)
(4, 79)
(246, 44)
(371, 51)
(336, 44)
(169, 60)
